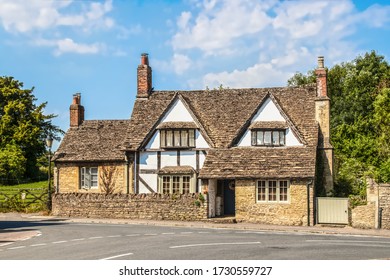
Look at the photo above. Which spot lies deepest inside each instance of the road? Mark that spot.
(63, 240)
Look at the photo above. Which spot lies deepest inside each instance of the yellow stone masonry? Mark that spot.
(293, 212)
(69, 179)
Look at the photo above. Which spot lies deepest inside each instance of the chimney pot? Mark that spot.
(144, 59)
(144, 77)
(320, 62)
(76, 111)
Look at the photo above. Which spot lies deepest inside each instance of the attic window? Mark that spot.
(177, 138)
(268, 137)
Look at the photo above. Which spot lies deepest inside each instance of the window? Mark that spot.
(88, 177)
(268, 137)
(273, 191)
(176, 138)
(176, 184)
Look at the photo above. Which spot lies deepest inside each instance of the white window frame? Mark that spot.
(192, 183)
(89, 177)
(178, 138)
(281, 137)
(267, 193)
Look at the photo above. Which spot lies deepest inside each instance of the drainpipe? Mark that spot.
(127, 174)
(308, 201)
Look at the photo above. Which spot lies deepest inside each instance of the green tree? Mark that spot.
(359, 92)
(23, 129)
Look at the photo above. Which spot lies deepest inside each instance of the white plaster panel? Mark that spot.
(177, 113)
(169, 158)
(291, 140)
(268, 112)
(200, 142)
(154, 142)
(148, 160)
(202, 158)
(188, 158)
(245, 141)
(151, 180)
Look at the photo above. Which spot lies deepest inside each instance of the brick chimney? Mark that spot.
(322, 115)
(76, 111)
(144, 77)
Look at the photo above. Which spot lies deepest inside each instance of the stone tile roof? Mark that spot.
(260, 162)
(177, 125)
(184, 169)
(100, 140)
(222, 116)
(225, 114)
(268, 125)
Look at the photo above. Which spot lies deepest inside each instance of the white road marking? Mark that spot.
(117, 256)
(113, 236)
(150, 234)
(59, 242)
(96, 237)
(5, 244)
(77, 239)
(167, 233)
(15, 248)
(186, 232)
(203, 232)
(36, 245)
(214, 244)
(131, 235)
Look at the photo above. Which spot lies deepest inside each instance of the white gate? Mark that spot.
(332, 210)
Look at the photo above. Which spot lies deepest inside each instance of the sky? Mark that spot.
(61, 47)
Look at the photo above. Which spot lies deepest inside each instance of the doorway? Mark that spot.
(227, 189)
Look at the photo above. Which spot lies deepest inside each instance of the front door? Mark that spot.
(229, 197)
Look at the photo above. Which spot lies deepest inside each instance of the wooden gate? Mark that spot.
(332, 210)
(17, 199)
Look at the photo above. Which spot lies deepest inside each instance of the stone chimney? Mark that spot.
(76, 111)
(144, 77)
(322, 115)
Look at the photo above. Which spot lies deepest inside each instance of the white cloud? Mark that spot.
(67, 45)
(21, 16)
(219, 23)
(179, 64)
(271, 39)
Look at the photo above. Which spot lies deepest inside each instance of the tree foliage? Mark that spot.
(23, 130)
(360, 119)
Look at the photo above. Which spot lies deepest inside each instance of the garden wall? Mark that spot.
(187, 207)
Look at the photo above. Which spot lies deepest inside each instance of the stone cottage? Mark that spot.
(258, 154)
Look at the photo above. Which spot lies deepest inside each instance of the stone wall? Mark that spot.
(384, 204)
(363, 216)
(67, 178)
(367, 216)
(129, 206)
(293, 212)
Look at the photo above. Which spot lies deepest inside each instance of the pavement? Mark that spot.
(11, 235)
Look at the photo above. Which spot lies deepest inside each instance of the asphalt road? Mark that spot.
(61, 240)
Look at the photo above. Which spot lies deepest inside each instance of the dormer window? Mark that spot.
(268, 137)
(271, 133)
(177, 134)
(177, 138)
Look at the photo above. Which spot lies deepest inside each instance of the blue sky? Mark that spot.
(62, 47)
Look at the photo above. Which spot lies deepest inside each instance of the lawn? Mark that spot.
(30, 197)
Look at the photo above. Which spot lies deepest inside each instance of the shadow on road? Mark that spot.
(25, 225)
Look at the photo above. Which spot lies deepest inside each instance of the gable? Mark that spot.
(177, 114)
(270, 116)
(268, 112)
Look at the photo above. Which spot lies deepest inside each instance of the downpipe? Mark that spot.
(308, 201)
